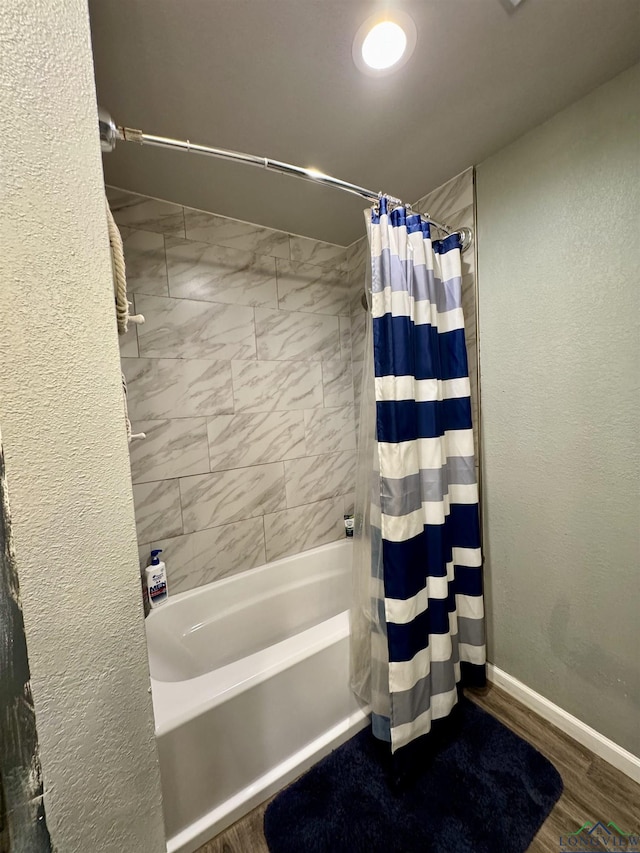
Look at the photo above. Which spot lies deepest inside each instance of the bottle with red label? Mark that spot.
(156, 575)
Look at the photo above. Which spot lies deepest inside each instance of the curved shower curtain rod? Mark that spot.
(111, 133)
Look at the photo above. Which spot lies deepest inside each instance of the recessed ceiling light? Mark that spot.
(384, 43)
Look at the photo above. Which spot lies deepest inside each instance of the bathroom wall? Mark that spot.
(65, 444)
(241, 380)
(451, 204)
(558, 214)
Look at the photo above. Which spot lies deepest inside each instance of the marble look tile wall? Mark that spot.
(241, 378)
(453, 204)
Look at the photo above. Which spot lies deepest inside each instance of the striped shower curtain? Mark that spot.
(428, 626)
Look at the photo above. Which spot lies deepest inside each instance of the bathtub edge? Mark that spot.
(217, 820)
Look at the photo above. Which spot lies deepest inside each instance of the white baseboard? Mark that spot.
(606, 749)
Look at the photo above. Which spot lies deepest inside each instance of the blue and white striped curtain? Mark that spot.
(425, 533)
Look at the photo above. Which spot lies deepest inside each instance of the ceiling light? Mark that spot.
(384, 44)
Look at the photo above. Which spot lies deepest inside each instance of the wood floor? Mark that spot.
(593, 790)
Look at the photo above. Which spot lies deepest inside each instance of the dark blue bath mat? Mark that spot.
(486, 791)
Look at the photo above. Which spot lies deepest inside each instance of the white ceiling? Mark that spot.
(276, 78)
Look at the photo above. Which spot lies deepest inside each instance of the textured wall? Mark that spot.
(241, 380)
(66, 450)
(558, 218)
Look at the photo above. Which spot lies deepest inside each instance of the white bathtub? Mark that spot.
(249, 677)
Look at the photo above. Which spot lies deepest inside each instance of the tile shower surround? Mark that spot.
(243, 379)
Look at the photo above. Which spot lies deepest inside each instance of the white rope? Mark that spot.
(130, 436)
(119, 274)
(122, 305)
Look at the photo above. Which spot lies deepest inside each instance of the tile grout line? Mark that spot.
(331, 499)
(264, 538)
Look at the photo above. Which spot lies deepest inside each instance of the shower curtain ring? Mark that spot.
(466, 238)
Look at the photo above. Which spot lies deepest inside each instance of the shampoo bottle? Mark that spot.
(156, 580)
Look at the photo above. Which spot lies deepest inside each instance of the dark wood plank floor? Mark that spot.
(593, 790)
